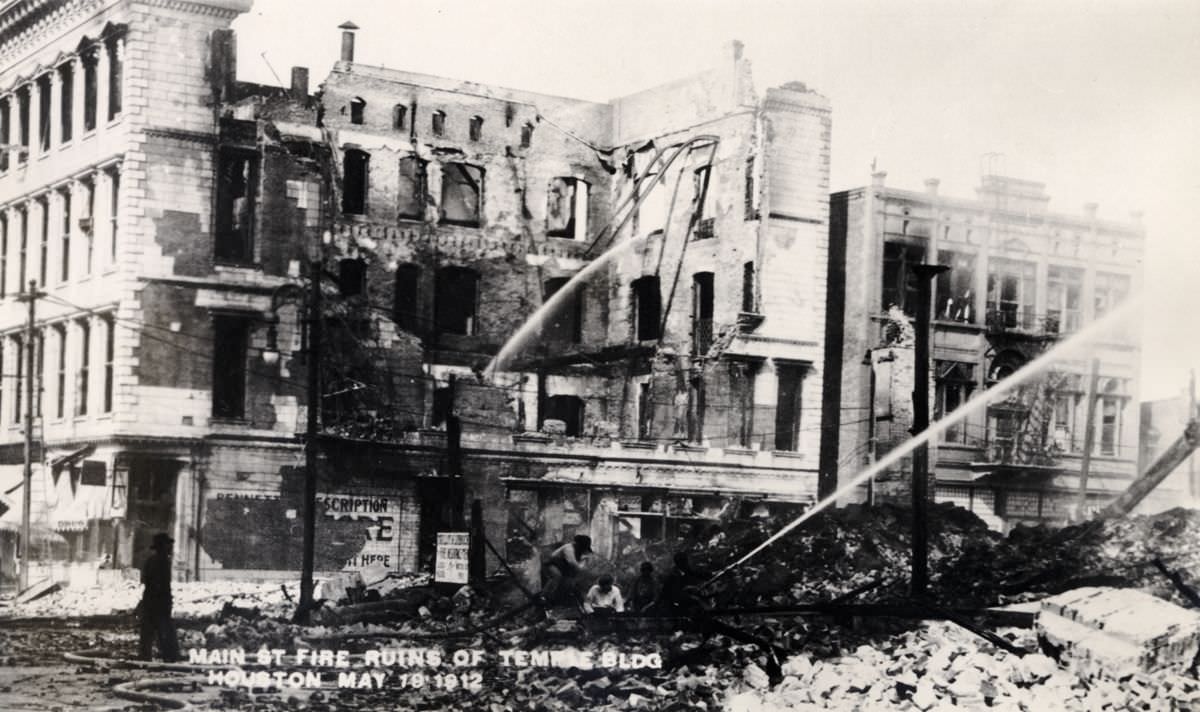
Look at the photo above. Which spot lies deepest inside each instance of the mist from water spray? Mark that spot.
(1074, 343)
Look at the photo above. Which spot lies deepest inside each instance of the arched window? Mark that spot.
(358, 106)
(476, 130)
(457, 300)
(438, 123)
(399, 117)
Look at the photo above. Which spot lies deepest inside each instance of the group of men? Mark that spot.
(677, 591)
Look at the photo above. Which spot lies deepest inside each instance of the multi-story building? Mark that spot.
(169, 215)
(1020, 280)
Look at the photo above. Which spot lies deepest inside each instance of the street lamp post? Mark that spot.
(312, 392)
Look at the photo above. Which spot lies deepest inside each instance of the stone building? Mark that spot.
(1021, 279)
(170, 215)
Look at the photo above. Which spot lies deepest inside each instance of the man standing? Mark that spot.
(155, 608)
(563, 567)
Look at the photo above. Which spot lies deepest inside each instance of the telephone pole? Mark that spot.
(27, 481)
(1089, 436)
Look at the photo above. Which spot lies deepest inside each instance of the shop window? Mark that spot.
(702, 312)
(230, 343)
(66, 113)
(457, 300)
(237, 187)
(462, 194)
(954, 384)
(956, 288)
(355, 172)
(405, 297)
(568, 409)
(647, 307)
(410, 189)
(399, 117)
(438, 123)
(358, 107)
(567, 208)
(788, 406)
(475, 130)
(899, 282)
(565, 322)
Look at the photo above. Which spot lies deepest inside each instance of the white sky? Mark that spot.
(1097, 99)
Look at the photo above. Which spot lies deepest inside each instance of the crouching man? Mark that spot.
(603, 599)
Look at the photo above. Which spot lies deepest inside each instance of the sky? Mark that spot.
(1098, 100)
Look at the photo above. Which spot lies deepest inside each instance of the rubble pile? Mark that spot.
(942, 667)
(191, 600)
(1032, 562)
(836, 552)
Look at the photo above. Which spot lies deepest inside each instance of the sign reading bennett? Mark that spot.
(452, 552)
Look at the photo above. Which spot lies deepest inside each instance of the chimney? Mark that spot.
(877, 179)
(299, 83)
(348, 29)
(931, 186)
(1089, 210)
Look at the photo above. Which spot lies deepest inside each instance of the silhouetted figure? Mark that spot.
(155, 608)
(680, 589)
(644, 591)
(561, 570)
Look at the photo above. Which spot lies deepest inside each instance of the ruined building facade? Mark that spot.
(173, 215)
(1020, 280)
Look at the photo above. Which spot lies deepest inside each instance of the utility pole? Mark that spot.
(1088, 436)
(310, 441)
(920, 484)
(27, 482)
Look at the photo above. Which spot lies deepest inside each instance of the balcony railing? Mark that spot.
(1018, 319)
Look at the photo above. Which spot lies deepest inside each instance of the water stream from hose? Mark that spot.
(1064, 349)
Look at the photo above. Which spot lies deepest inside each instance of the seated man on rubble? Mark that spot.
(603, 599)
(645, 589)
(681, 588)
(560, 572)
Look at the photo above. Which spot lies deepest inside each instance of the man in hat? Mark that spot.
(155, 608)
(560, 571)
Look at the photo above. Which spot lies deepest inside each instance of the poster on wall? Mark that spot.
(452, 556)
(379, 517)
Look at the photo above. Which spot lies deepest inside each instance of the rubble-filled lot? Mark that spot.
(825, 662)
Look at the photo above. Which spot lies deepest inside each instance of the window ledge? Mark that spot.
(229, 420)
(64, 145)
(639, 444)
(531, 437)
(231, 266)
(788, 454)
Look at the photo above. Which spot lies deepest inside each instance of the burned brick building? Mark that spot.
(1020, 280)
(177, 219)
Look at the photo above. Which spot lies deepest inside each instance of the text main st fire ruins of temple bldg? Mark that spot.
(602, 318)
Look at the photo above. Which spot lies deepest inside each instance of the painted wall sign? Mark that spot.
(452, 557)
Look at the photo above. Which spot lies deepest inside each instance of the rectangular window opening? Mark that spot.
(788, 407)
(66, 115)
(410, 192)
(702, 312)
(237, 188)
(82, 377)
(647, 307)
(462, 194)
(230, 343)
(456, 301)
(567, 208)
(355, 171)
